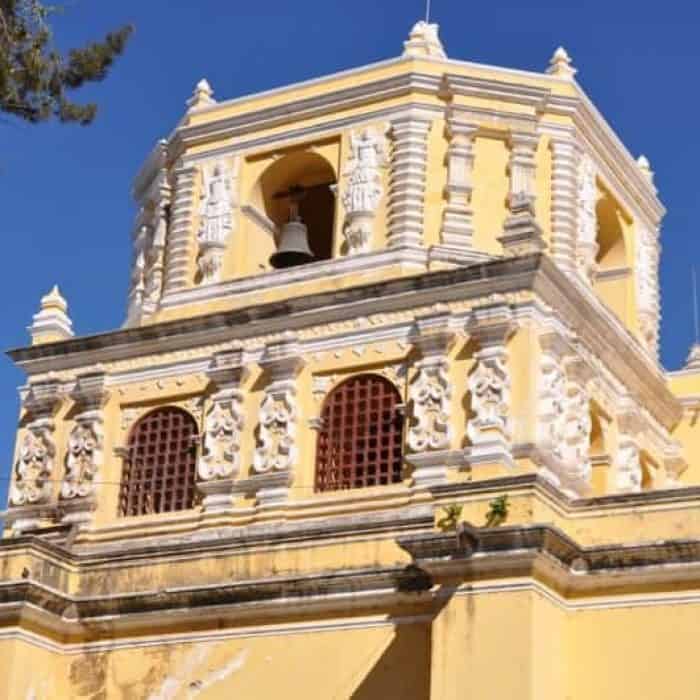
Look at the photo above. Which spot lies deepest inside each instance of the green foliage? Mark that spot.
(450, 519)
(498, 512)
(35, 77)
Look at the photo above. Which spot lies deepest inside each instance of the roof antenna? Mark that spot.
(427, 11)
(695, 306)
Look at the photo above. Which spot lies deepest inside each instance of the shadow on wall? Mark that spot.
(402, 670)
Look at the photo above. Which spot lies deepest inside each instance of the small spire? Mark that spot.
(644, 165)
(52, 323)
(693, 361)
(560, 64)
(202, 96)
(424, 41)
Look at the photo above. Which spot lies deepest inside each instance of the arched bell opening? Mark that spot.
(297, 193)
(613, 269)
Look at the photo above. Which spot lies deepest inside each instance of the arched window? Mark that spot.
(159, 470)
(361, 438)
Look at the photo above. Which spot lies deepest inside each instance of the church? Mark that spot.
(385, 419)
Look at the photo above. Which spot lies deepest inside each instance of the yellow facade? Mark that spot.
(483, 248)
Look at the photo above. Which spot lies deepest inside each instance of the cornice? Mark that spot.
(614, 345)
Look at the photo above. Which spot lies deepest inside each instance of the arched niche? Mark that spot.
(614, 281)
(315, 175)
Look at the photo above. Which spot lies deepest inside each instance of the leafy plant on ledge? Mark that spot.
(450, 519)
(498, 512)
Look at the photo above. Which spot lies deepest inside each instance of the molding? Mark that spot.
(260, 219)
(614, 273)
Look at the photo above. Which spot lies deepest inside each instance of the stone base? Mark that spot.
(218, 494)
(77, 511)
(23, 519)
(431, 468)
(269, 489)
(522, 235)
(494, 451)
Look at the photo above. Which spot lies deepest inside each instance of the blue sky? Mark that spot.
(67, 212)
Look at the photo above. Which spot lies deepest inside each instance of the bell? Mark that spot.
(293, 248)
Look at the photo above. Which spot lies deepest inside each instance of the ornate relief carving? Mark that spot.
(222, 439)
(278, 421)
(216, 220)
(320, 386)
(552, 402)
(83, 460)
(587, 244)
(628, 468)
(489, 385)
(431, 393)
(34, 467)
(647, 259)
(577, 433)
(363, 189)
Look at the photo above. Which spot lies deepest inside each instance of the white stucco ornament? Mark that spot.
(489, 386)
(222, 440)
(203, 96)
(587, 244)
(560, 64)
(431, 393)
(52, 320)
(424, 41)
(83, 460)
(215, 222)
(33, 468)
(363, 189)
(277, 449)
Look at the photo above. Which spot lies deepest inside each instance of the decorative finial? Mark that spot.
(52, 323)
(644, 165)
(202, 96)
(560, 64)
(424, 41)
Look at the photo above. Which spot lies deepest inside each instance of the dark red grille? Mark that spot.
(159, 471)
(361, 438)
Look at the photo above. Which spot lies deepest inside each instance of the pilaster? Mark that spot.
(627, 469)
(85, 448)
(647, 278)
(430, 393)
(219, 464)
(407, 181)
(457, 225)
(181, 239)
(31, 498)
(587, 228)
(489, 427)
(276, 455)
(577, 423)
(521, 232)
(564, 202)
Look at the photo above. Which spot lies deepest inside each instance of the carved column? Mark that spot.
(457, 224)
(216, 220)
(181, 238)
(137, 283)
(220, 462)
(564, 202)
(155, 255)
(363, 190)
(407, 182)
(551, 403)
(627, 468)
(647, 277)
(576, 451)
(587, 231)
(85, 449)
(489, 427)
(276, 454)
(521, 232)
(674, 465)
(430, 393)
(31, 493)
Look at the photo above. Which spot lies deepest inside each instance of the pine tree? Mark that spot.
(35, 77)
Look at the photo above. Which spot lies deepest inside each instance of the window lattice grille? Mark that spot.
(361, 438)
(159, 471)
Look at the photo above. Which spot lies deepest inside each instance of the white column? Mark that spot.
(564, 202)
(521, 232)
(457, 224)
(576, 450)
(489, 429)
(407, 180)
(586, 244)
(181, 238)
(627, 469)
(647, 278)
(31, 497)
(276, 455)
(220, 461)
(85, 449)
(430, 393)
